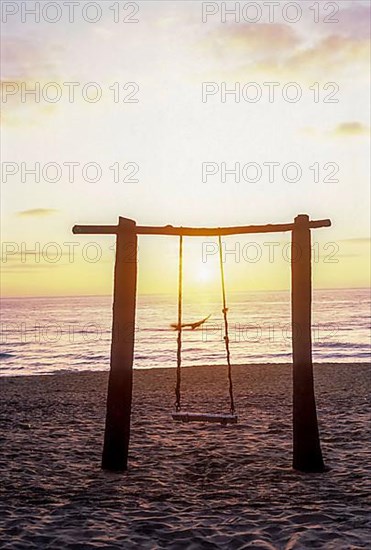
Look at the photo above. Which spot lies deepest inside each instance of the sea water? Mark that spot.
(47, 335)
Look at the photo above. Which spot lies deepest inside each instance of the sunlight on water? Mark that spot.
(45, 335)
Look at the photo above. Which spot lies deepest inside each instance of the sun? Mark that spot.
(204, 274)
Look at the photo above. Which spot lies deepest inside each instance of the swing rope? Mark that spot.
(179, 328)
(226, 335)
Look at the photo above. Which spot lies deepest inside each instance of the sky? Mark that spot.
(157, 139)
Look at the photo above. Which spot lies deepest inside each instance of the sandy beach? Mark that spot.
(191, 485)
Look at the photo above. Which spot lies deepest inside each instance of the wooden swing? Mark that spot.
(178, 414)
(307, 454)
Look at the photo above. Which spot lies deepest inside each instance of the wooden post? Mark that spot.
(307, 455)
(117, 432)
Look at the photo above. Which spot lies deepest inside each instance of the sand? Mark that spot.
(189, 486)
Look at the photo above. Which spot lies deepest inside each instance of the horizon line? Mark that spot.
(170, 294)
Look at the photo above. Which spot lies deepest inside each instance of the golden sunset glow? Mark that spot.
(170, 133)
(205, 275)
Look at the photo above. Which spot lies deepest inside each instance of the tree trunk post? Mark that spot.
(120, 385)
(307, 455)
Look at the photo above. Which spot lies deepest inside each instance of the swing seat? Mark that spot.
(223, 419)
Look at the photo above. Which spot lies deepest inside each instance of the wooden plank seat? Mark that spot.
(205, 417)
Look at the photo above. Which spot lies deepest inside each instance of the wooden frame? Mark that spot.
(307, 455)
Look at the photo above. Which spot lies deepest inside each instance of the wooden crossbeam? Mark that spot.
(193, 231)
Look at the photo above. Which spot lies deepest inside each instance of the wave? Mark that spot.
(339, 345)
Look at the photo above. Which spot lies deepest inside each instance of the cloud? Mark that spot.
(249, 43)
(355, 21)
(21, 268)
(345, 129)
(279, 51)
(334, 259)
(37, 212)
(259, 38)
(26, 63)
(358, 240)
(25, 58)
(29, 257)
(351, 129)
(330, 55)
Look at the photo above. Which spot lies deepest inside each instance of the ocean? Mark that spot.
(49, 335)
